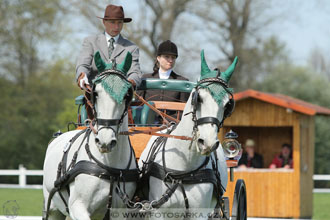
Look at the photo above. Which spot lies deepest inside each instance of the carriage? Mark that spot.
(190, 140)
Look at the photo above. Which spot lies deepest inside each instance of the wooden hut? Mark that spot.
(271, 120)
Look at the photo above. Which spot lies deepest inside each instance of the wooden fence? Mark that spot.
(23, 173)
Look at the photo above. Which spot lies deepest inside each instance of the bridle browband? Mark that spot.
(229, 107)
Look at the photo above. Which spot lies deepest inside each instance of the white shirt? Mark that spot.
(165, 75)
(108, 37)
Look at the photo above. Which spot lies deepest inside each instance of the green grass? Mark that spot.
(321, 205)
(30, 202)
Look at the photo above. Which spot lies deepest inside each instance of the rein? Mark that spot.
(152, 131)
(162, 114)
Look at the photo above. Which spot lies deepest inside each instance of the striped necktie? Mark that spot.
(111, 46)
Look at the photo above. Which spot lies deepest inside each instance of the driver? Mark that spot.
(112, 47)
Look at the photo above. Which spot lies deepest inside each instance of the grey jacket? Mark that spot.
(92, 44)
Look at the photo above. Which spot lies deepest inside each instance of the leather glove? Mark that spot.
(133, 83)
(83, 82)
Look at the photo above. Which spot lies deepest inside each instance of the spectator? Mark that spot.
(250, 159)
(284, 159)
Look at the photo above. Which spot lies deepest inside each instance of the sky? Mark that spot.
(307, 27)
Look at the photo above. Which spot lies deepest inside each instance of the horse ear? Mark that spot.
(99, 63)
(204, 67)
(228, 73)
(126, 64)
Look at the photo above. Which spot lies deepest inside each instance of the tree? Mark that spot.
(26, 24)
(32, 87)
(319, 62)
(30, 116)
(235, 29)
(224, 28)
(158, 26)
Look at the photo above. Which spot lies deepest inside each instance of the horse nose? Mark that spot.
(205, 147)
(112, 144)
(200, 141)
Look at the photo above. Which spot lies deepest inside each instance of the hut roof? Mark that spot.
(284, 101)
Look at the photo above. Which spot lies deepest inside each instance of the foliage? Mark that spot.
(299, 82)
(33, 85)
(30, 118)
(322, 144)
(27, 24)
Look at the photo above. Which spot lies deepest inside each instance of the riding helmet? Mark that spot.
(167, 47)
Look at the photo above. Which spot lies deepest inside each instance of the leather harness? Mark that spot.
(66, 175)
(178, 178)
(150, 168)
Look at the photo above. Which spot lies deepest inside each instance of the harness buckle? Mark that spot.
(169, 178)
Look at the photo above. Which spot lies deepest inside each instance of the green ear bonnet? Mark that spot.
(112, 83)
(217, 90)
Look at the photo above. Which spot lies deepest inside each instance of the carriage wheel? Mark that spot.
(239, 202)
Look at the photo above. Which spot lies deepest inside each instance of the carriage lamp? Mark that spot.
(231, 147)
(232, 150)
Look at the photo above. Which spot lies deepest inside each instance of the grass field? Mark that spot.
(30, 202)
(321, 206)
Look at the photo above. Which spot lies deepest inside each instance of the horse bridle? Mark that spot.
(229, 107)
(108, 123)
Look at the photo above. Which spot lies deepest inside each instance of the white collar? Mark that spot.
(165, 75)
(108, 37)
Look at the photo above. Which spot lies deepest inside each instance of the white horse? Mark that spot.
(173, 164)
(104, 160)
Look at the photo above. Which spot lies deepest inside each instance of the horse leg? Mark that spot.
(78, 211)
(56, 215)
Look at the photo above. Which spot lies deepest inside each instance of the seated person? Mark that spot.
(250, 159)
(284, 159)
(167, 54)
(163, 69)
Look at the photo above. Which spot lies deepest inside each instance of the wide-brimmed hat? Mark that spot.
(114, 12)
(167, 47)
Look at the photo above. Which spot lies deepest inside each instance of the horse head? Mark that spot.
(211, 102)
(111, 95)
